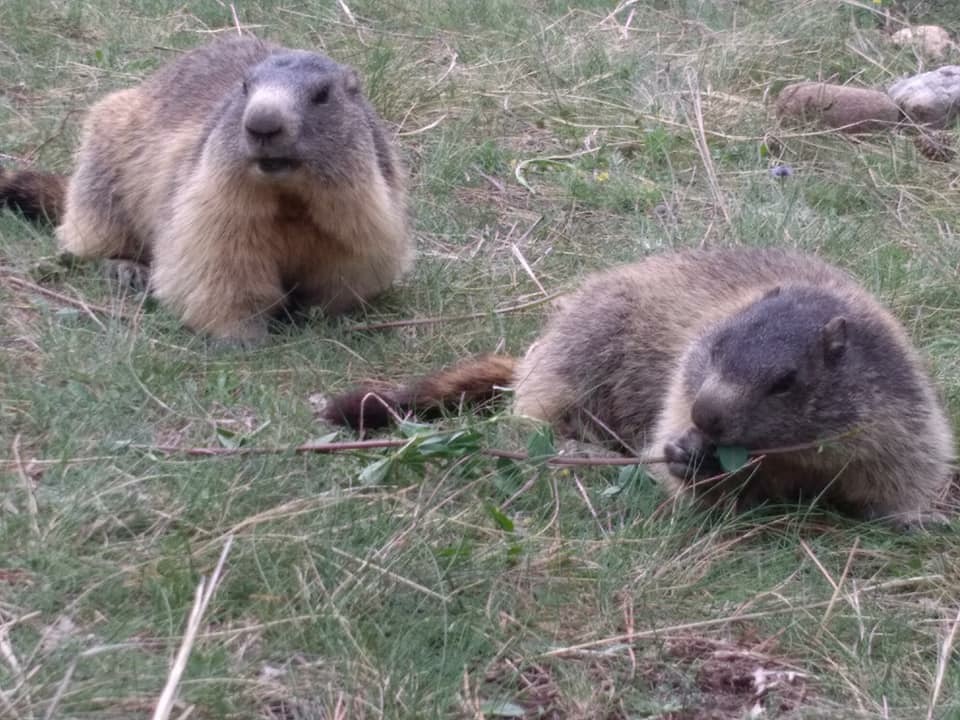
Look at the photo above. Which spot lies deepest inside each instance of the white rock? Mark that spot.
(931, 40)
(931, 99)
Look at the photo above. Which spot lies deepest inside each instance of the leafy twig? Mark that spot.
(353, 445)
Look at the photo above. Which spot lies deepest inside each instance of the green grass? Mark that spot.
(450, 586)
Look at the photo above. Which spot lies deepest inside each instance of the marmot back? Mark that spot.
(250, 178)
(768, 350)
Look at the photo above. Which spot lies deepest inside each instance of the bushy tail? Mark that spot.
(475, 380)
(38, 195)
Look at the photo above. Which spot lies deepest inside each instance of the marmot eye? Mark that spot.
(321, 95)
(243, 87)
(783, 384)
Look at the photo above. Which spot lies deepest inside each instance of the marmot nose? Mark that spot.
(263, 125)
(707, 417)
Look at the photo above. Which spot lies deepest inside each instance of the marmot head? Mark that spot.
(298, 112)
(780, 372)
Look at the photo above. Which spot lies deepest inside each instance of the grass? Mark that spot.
(456, 585)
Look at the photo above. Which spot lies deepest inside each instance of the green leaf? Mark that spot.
(455, 552)
(323, 439)
(509, 475)
(425, 440)
(376, 473)
(414, 429)
(228, 438)
(466, 441)
(451, 444)
(500, 518)
(629, 475)
(732, 457)
(540, 446)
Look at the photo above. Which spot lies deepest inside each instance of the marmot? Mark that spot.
(250, 178)
(760, 349)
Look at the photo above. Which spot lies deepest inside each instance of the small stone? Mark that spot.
(930, 99)
(850, 109)
(931, 41)
(318, 402)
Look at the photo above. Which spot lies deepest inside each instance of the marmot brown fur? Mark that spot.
(38, 196)
(250, 178)
(846, 108)
(682, 353)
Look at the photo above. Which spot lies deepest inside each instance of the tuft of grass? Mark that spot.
(435, 581)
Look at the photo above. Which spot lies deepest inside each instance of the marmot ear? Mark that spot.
(771, 293)
(834, 336)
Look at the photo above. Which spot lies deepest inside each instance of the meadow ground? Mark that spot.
(546, 139)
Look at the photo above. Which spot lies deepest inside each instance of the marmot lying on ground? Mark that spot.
(682, 353)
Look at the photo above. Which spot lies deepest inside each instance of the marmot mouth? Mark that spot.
(276, 166)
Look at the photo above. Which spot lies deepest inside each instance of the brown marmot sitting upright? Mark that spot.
(682, 353)
(249, 178)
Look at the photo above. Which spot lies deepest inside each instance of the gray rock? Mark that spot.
(931, 41)
(930, 99)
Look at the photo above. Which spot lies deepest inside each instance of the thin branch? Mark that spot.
(518, 254)
(61, 298)
(298, 449)
(205, 590)
(347, 11)
(349, 446)
(456, 318)
(700, 138)
(547, 159)
(425, 128)
(839, 584)
(337, 447)
(236, 20)
(31, 498)
(946, 651)
(364, 564)
(595, 645)
(108, 312)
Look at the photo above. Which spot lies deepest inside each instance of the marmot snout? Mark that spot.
(316, 124)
